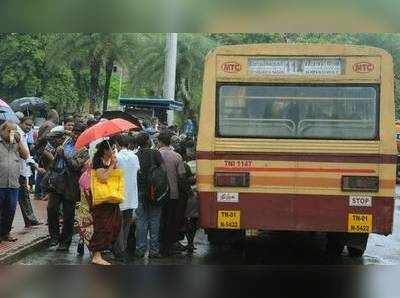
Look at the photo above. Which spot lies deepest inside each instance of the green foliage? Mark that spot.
(192, 49)
(22, 59)
(146, 65)
(391, 43)
(114, 88)
(68, 69)
(61, 93)
(245, 38)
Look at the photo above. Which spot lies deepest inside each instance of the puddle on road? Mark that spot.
(268, 249)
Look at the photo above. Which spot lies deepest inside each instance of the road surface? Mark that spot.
(267, 249)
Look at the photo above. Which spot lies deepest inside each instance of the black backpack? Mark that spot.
(157, 183)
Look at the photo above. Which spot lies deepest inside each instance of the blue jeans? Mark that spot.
(8, 204)
(148, 221)
(38, 185)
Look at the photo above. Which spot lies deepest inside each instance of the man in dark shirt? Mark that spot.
(148, 215)
(63, 190)
(11, 150)
(173, 211)
(41, 159)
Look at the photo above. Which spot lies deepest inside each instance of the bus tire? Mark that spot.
(355, 252)
(335, 244)
(356, 244)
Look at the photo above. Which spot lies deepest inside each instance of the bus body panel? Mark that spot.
(289, 212)
(296, 184)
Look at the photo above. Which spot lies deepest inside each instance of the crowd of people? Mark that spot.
(159, 207)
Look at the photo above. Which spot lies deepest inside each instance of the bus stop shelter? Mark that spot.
(145, 108)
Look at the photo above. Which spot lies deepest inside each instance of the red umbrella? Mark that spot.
(103, 129)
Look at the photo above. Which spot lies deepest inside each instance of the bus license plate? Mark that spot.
(360, 223)
(228, 219)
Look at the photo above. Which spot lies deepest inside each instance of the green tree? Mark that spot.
(118, 48)
(81, 49)
(22, 60)
(192, 49)
(391, 43)
(146, 66)
(92, 52)
(60, 91)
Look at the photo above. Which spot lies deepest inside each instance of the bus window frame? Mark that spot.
(373, 85)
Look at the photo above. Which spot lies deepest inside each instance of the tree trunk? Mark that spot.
(187, 109)
(109, 70)
(95, 64)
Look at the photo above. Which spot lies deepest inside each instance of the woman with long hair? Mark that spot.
(106, 216)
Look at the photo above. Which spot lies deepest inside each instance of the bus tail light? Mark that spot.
(232, 179)
(360, 183)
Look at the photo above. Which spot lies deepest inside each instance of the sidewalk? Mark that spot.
(28, 238)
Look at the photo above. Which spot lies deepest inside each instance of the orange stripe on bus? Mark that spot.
(302, 170)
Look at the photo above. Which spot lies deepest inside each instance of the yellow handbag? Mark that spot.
(110, 192)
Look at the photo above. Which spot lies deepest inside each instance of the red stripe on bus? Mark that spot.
(310, 157)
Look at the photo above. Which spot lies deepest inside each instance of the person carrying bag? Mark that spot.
(107, 190)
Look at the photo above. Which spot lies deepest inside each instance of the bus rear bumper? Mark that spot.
(294, 212)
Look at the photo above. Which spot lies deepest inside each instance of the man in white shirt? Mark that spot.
(129, 163)
(25, 127)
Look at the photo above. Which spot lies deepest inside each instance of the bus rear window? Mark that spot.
(316, 112)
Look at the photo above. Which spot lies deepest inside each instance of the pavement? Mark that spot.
(29, 239)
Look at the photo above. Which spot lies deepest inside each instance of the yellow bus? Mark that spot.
(298, 137)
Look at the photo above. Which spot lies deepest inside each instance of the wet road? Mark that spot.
(266, 249)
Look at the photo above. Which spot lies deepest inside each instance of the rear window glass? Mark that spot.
(318, 112)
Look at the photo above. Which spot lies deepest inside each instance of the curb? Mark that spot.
(15, 255)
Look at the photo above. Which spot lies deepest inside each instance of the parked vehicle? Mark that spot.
(296, 137)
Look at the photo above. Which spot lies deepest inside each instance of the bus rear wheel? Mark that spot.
(335, 244)
(355, 252)
(356, 244)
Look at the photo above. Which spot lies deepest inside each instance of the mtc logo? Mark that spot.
(231, 67)
(363, 67)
